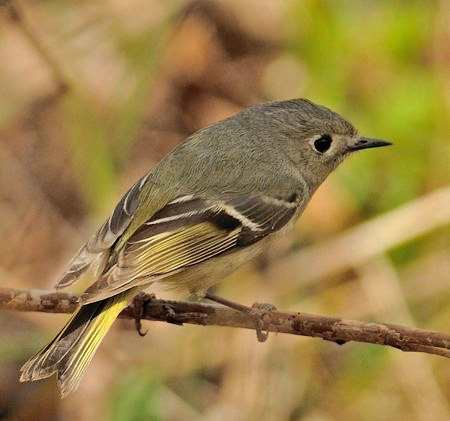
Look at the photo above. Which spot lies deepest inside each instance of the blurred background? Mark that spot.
(93, 94)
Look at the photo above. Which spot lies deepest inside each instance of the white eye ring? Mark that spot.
(321, 143)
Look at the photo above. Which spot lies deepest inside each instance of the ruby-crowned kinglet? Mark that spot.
(209, 206)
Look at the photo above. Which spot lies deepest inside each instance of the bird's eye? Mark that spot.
(323, 143)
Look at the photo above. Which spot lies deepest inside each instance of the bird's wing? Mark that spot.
(95, 253)
(188, 231)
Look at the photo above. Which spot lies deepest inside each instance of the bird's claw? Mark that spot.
(171, 316)
(258, 311)
(139, 304)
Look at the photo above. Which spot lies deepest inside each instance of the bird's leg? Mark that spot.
(140, 302)
(256, 312)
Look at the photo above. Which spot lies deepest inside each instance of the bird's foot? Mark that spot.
(257, 312)
(140, 302)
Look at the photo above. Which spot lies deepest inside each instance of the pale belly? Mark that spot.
(196, 280)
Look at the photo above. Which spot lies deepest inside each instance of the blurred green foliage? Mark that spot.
(374, 60)
(137, 398)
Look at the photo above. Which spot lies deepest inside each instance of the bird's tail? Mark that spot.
(69, 354)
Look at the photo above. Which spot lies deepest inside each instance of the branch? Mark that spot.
(331, 329)
(59, 76)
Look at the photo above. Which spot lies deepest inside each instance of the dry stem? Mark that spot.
(331, 329)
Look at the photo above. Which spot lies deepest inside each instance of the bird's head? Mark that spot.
(316, 138)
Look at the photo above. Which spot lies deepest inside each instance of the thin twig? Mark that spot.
(331, 329)
(16, 15)
(31, 117)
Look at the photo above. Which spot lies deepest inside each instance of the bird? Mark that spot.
(212, 204)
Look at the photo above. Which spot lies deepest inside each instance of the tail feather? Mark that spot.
(74, 364)
(69, 354)
(44, 363)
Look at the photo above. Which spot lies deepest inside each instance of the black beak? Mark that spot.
(366, 143)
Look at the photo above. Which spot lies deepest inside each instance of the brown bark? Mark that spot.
(331, 329)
